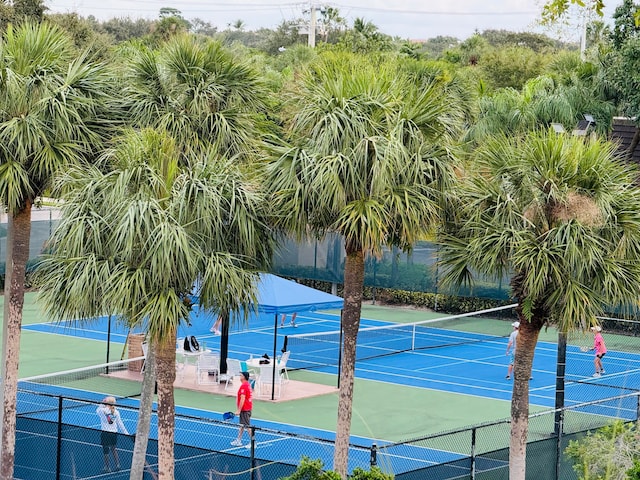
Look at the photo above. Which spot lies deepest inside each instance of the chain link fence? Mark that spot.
(70, 436)
(482, 451)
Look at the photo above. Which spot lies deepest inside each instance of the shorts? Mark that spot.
(600, 355)
(108, 440)
(512, 357)
(245, 418)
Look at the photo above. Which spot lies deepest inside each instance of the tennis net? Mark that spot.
(317, 350)
(41, 393)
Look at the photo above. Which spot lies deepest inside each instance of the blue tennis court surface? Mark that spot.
(473, 365)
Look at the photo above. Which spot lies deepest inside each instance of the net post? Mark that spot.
(374, 455)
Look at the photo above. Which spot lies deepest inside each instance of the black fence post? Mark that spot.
(59, 440)
(252, 455)
(560, 377)
(374, 455)
(473, 454)
(560, 421)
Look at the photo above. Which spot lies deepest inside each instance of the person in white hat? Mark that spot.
(511, 348)
(600, 349)
(110, 423)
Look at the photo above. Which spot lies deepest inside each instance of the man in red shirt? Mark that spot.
(243, 408)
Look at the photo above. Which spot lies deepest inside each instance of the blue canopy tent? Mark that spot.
(276, 296)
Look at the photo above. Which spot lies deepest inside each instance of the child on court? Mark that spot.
(600, 348)
(110, 423)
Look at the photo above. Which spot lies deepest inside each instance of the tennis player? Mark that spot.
(511, 348)
(600, 348)
(110, 422)
(244, 406)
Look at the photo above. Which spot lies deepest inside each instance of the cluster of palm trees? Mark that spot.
(172, 169)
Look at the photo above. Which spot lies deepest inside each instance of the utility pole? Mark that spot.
(312, 27)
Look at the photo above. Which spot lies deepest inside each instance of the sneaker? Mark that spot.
(294, 325)
(282, 325)
(106, 470)
(118, 468)
(596, 375)
(601, 371)
(236, 443)
(508, 377)
(216, 332)
(248, 446)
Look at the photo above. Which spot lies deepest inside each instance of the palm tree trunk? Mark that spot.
(353, 285)
(139, 459)
(166, 373)
(19, 233)
(525, 346)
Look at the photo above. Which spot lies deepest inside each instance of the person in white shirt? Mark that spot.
(110, 423)
(511, 348)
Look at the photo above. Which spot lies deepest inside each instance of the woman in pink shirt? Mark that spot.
(600, 349)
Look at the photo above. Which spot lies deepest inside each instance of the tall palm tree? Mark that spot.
(367, 161)
(133, 241)
(562, 217)
(52, 111)
(209, 101)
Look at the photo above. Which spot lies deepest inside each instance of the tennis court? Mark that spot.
(459, 354)
(465, 379)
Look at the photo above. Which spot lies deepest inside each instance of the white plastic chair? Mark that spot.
(233, 370)
(267, 383)
(283, 364)
(208, 369)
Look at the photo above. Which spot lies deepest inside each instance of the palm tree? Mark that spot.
(562, 217)
(133, 241)
(368, 160)
(208, 101)
(51, 115)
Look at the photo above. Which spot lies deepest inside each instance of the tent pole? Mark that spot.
(274, 359)
(108, 341)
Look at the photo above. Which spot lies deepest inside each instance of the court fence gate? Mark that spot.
(73, 450)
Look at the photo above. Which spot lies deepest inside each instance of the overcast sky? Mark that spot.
(414, 19)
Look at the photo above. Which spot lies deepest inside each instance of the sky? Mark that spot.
(411, 19)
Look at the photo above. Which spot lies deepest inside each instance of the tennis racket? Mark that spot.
(226, 416)
(584, 349)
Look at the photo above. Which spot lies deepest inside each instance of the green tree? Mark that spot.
(53, 114)
(367, 161)
(608, 453)
(365, 37)
(624, 23)
(31, 10)
(160, 221)
(206, 99)
(554, 10)
(562, 217)
(511, 66)
(211, 105)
